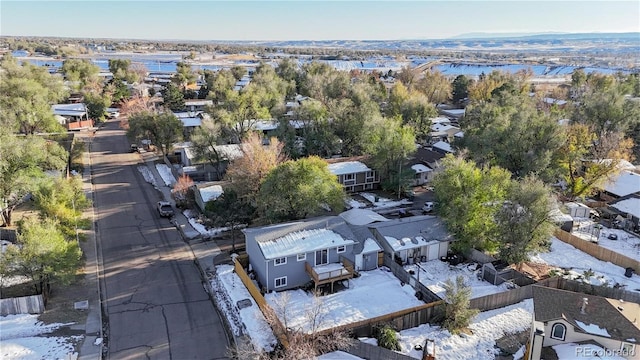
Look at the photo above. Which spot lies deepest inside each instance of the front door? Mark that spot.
(358, 262)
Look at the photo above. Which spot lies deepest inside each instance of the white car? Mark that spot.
(428, 207)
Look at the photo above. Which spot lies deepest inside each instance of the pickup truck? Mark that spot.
(165, 209)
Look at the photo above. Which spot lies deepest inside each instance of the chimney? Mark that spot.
(585, 302)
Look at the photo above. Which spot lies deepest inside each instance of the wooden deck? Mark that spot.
(342, 271)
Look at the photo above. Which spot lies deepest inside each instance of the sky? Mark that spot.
(309, 19)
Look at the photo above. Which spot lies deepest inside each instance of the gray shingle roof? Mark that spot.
(551, 304)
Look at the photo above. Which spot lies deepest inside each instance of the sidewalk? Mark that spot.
(91, 347)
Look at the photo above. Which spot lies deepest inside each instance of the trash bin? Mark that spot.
(628, 272)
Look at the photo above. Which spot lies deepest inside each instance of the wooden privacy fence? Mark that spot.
(401, 320)
(368, 351)
(33, 304)
(274, 322)
(597, 251)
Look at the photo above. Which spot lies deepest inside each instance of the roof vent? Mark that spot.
(401, 242)
(414, 240)
(620, 308)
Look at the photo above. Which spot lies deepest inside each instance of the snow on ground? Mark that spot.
(229, 289)
(148, 175)
(203, 230)
(434, 273)
(626, 244)
(487, 327)
(24, 337)
(384, 203)
(577, 262)
(338, 355)
(355, 204)
(374, 293)
(585, 351)
(166, 174)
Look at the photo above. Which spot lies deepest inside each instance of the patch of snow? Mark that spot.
(355, 204)
(200, 228)
(583, 351)
(593, 329)
(384, 203)
(228, 290)
(148, 175)
(433, 275)
(349, 305)
(576, 263)
(166, 174)
(24, 337)
(626, 244)
(487, 327)
(520, 353)
(338, 355)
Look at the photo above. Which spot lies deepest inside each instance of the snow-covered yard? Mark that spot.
(374, 293)
(487, 327)
(200, 228)
(384, 203)
(626, 244)
(24, 337)
(578, 263)
(229, 290)
(434, 273)
(166, 174)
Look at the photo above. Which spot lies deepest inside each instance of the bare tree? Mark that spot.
(301, 344)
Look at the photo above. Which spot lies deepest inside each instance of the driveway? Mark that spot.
(155, 304)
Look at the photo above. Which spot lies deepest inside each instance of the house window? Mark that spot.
(281, 281)
(341, 249)
(558, 331)
(280, 261)
(302, 257)
(627, 349)
(322, 257)
(368, 186)
(369, 176)
(349, 177)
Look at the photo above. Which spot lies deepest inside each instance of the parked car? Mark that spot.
(165, 209)
(612, 236)
(427, 207)
(134, 148)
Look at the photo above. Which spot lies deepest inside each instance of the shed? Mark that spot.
(578, 210)
(207, 193)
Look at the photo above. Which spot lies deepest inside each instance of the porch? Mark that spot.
(330, 273)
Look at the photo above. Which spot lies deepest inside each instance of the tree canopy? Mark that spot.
(163, 129)
(23, 162)
(26, 94)
(296, 189)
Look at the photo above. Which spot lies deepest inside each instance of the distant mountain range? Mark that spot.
(546, 36)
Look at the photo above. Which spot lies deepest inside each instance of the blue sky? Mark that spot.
(310, 20)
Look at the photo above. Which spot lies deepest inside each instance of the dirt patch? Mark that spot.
(60, 305)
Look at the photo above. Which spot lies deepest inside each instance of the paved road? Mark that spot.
(155, 303)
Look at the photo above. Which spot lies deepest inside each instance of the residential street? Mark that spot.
(155, 303)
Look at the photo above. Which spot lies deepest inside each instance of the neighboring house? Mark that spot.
(455, 114)
(196, 105)
(72, 116)
(206, 192)
(190, 121)
(428, 157)
(424, 174)
(413, 239)
(354, 175)
(313, 251)
(443, 147)
(443, 132)
(563, 318)
(204, 171)
(624, 184)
